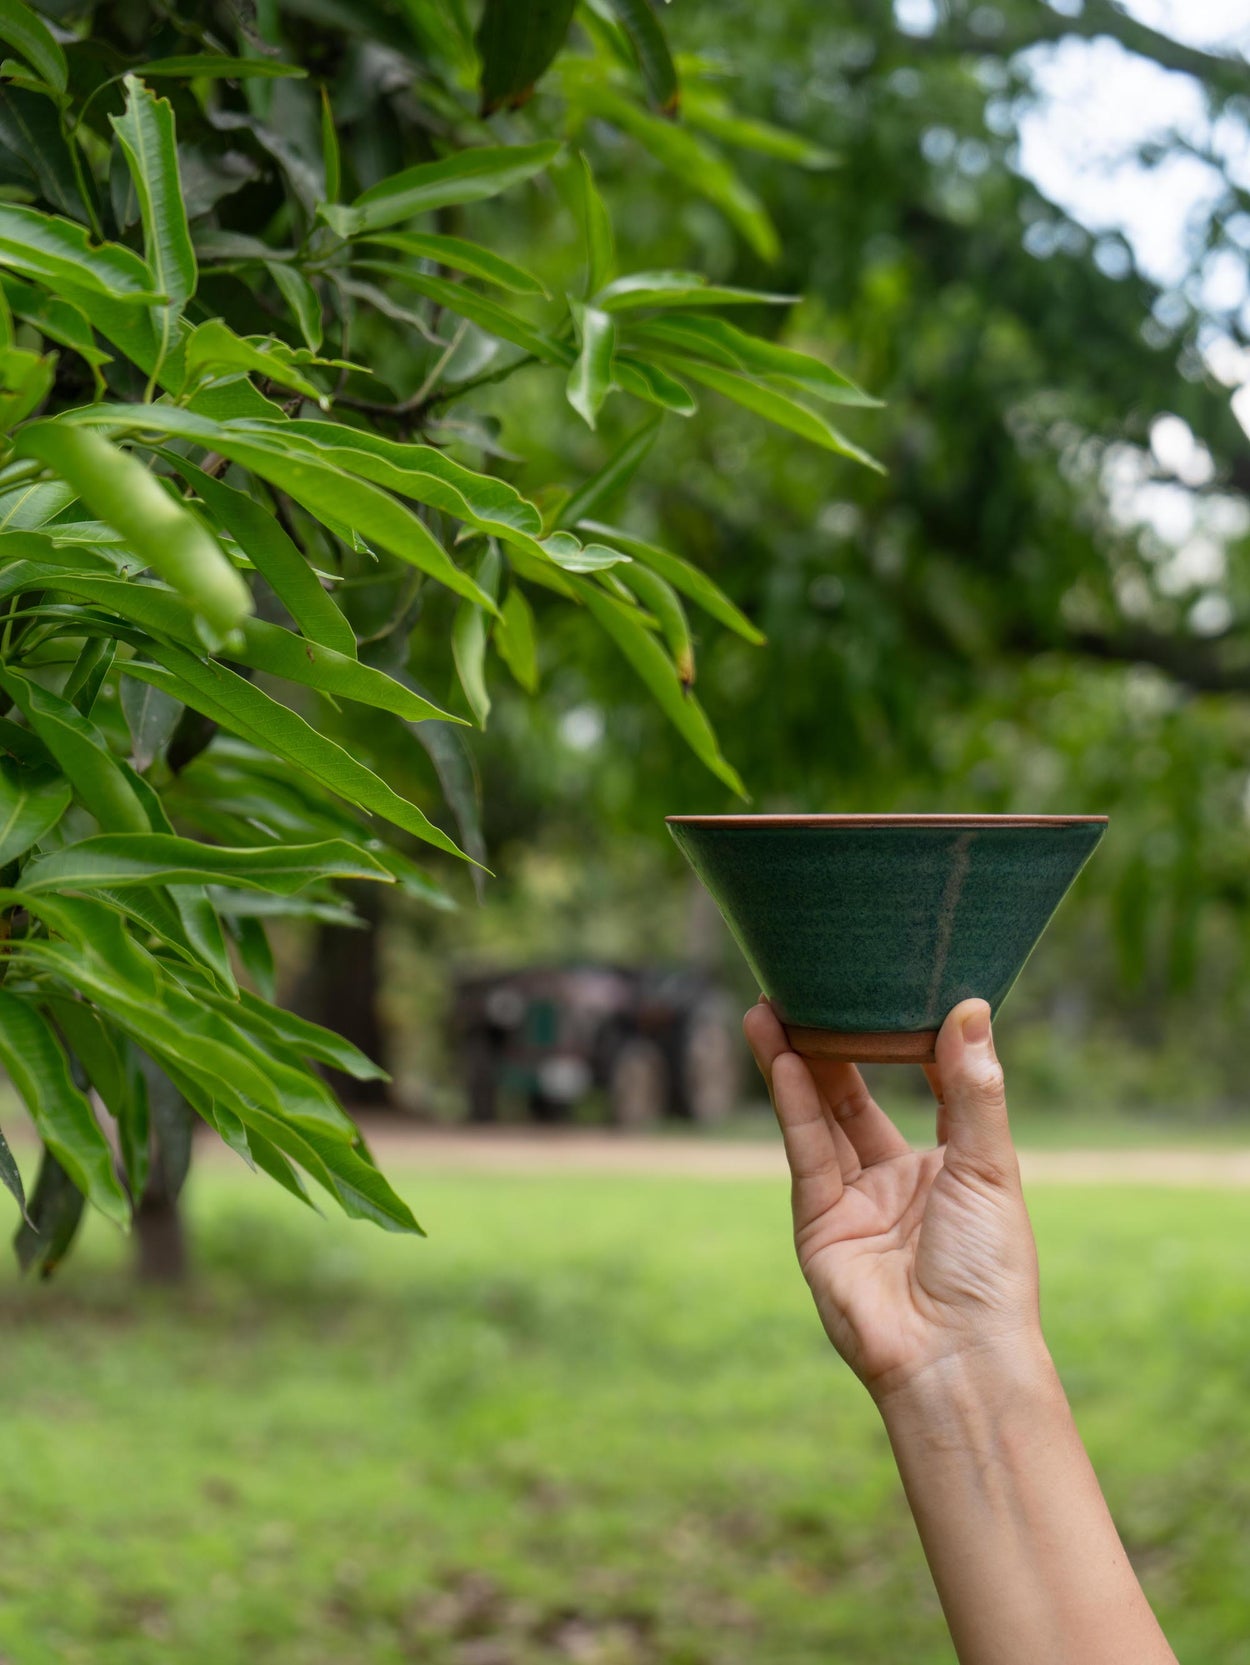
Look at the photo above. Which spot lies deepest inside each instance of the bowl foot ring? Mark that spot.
(864, 1047)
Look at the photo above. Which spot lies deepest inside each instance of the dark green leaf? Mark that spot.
(659, 74)
(638, 289)
(251, 714)
(216, 66)
(119, 859)
(712, 114)
(517, 39)
(164, 535)
(61, 253)
(463, 257)
(31, 803)
(151, 716)
(145, 132)
(681, 575)
(11, 1177)
(596, 228)
(488, 315)
(656, 670)
(659, 597)
(513, 637)
(692, 161)
(776, 407)
(56, 1209)
(31, 39)
(608, 480)
(36, 1065)
(324, 490)
(723, 343)
(273, 554)
(465, 176)
(81, 752)
(302, 298)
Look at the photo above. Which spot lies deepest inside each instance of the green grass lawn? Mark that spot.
(591, 1419)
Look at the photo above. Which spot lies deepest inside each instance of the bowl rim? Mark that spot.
(834, 822)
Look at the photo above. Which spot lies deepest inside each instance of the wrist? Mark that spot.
(961, 1398)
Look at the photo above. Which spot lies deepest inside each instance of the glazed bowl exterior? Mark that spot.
(865, 930)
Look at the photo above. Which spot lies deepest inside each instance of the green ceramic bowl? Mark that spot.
(864, 930)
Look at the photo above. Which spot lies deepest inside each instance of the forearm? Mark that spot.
(1026, 1558)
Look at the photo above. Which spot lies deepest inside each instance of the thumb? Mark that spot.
(978, 1138)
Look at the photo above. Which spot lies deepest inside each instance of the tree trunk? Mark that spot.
(341, 989)
(160, 1242)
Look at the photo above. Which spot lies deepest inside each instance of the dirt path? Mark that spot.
(542, 1151)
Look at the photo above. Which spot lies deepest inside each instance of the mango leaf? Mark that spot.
(302, 298)
(656, 670)
(357, 1186)
(82, 686)
(81, 752)
(461, 256)
(32, 40)
(213, 346)
(667, 288)
(113, 860)
(590, 379)
(282, 565)
(596, 225)
(11, 1177)
(145, 131)
(662, 601)
(690, 580)
(776, 407)
(248, 712)
(151, 716)
(468, 641)
(309, 1039)
(419, 471)
(466, 176)
(36, 1065)
(723, 343)
(654, 384)
(165, 536)
(690, 160)
(567, 552)
(517, 39)
(325, 491)
(713, 114)
(488, 315)
(112, 1066)
(514, 641)
(55, 1212)
(608, 480)
(25, 379)
(331, 155)
(55, 318)
(61, 253)
(31, 128)
(659, 74)
(216, 66)
(101, 960)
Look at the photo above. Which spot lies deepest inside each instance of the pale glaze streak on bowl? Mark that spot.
(864, 930)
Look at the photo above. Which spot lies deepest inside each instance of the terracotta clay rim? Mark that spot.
(836, 821)
(915, 1046)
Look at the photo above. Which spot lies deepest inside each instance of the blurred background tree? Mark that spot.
(1042, 604)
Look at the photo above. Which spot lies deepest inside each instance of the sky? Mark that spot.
(1079, 147)
(1101, 103)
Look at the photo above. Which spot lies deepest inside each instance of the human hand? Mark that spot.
(914, 1257)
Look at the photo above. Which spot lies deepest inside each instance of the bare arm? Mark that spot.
(924, 1271)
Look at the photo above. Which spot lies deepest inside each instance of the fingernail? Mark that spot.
(976, 1027)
